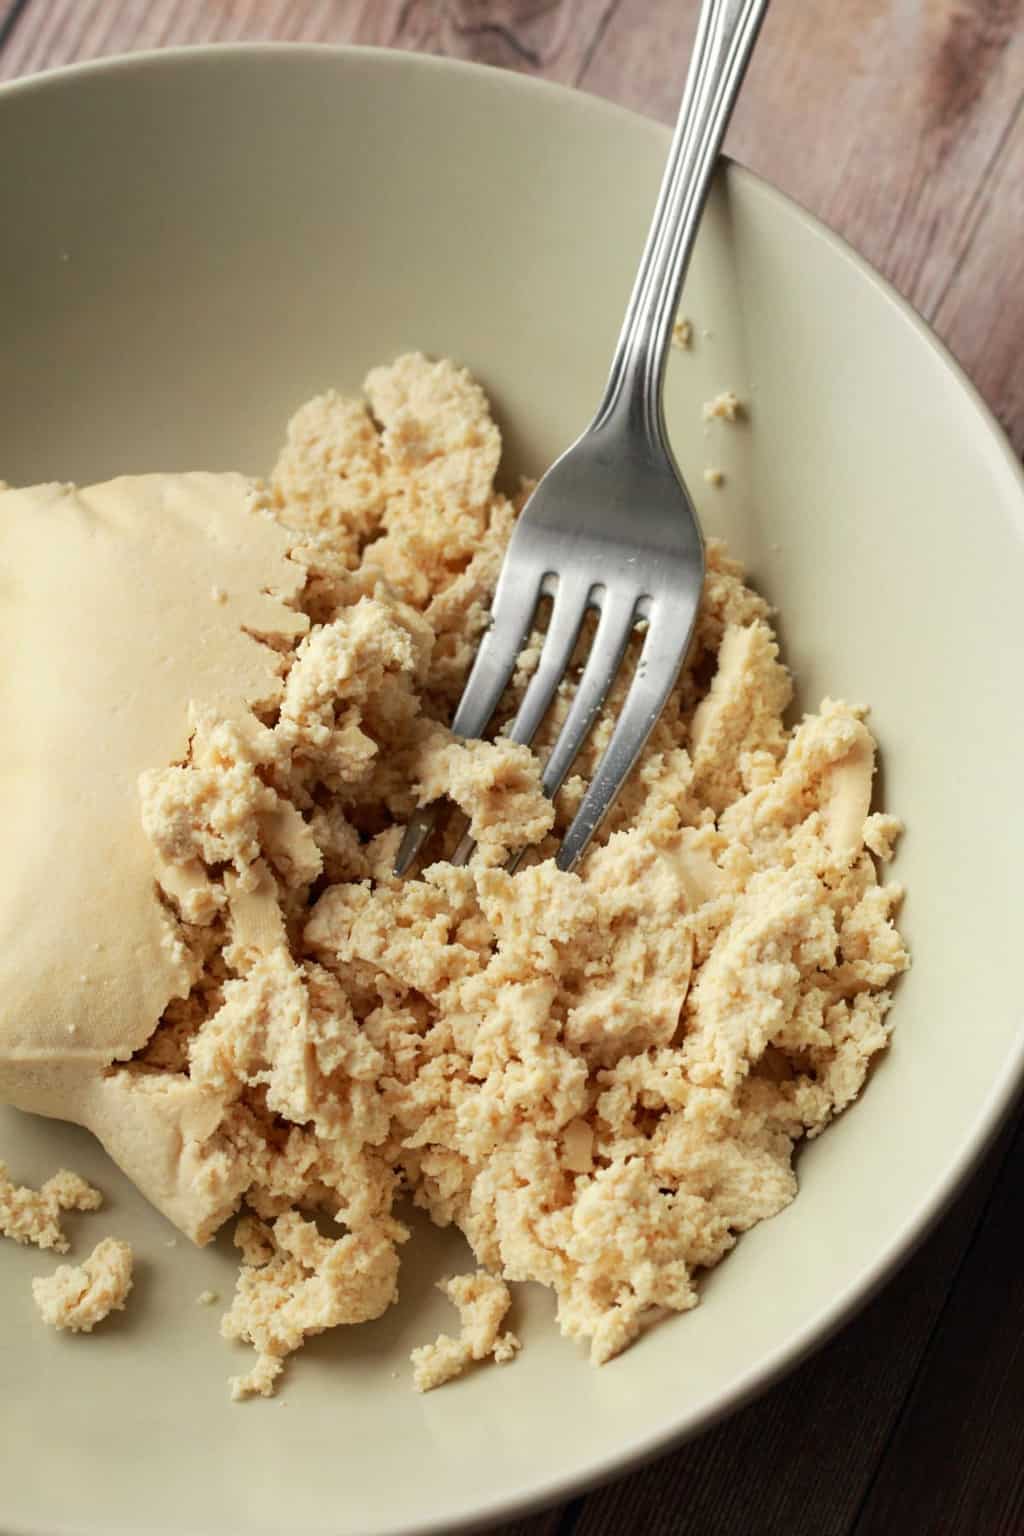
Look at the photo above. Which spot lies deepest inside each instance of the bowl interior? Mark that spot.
(192, 245)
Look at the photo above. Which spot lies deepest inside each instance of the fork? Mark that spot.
(611, 525)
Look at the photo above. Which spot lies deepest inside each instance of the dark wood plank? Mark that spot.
(550, 1523)
(956, 1461)
(798, 1461)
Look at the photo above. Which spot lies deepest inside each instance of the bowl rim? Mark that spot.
(1003, 1095)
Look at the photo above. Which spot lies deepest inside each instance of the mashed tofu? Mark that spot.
(724, 407)
(682, 334)
(33, 1215)
(77, 1297)
(482, 1302)
(599, 1077)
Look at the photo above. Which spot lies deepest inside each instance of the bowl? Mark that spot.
(195, 242)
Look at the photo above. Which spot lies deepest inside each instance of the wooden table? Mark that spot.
(900, 122)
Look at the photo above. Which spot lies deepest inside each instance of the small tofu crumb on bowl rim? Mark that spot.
(259, 264)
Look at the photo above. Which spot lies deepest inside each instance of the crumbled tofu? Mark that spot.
(260, 1381)
(208, 1298)
(482, 1301)
(497, 785)
(737, 738)
(715, 477)
(77, 1297)
(33, 1215)
(881, 833)
(308, 1284)
(599, 1077)
(682, 334)
(724, 407)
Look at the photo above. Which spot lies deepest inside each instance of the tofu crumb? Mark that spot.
(218, 594)
(33, 1216)
(294, 1283)
(682, 334)
(482, 1301)
(77, 1297)
(260, 1381)
(715, 477)
(724, 407)
(881, 833)
(208, 1298)
(496, 783)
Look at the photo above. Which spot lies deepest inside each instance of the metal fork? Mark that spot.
(611, 526)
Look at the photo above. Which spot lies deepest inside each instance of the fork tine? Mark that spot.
(417, 829)
(618, 615)
(660, 663)
(463, 851)
(512, 616)
(567, 616)
(559, 643)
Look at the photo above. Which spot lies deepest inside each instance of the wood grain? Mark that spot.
(956, 1461)
(553, 39)
(65, 31)
(901, 123)
(980, 312)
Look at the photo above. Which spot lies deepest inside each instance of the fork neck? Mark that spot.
(632, 401)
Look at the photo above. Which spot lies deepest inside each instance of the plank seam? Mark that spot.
(595, 42)
(10, 19)
(986, 176)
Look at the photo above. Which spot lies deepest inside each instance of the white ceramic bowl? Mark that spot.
(195, 242)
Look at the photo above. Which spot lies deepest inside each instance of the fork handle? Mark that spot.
(726, 33)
